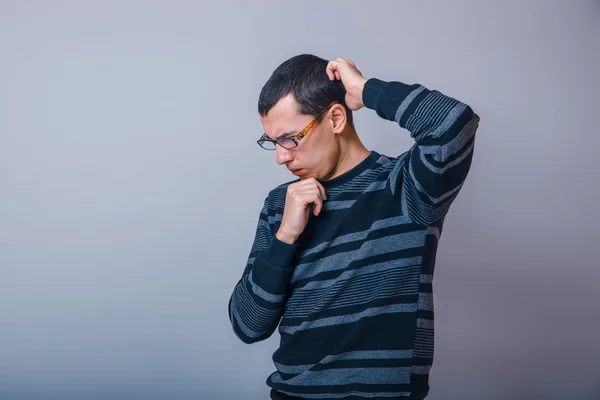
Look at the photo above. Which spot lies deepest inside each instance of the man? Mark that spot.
(343, 257)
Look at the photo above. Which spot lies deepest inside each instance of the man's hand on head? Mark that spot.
(343, 69)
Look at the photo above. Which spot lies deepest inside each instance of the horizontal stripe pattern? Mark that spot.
(356, 236)
(337, 261)
(345, 376)
(348, 318)
(355, 393)
(350, 355)
(353, 291)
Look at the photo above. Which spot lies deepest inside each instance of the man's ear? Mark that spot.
(338, 117)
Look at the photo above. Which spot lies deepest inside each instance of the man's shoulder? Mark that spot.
(383, 165)
(384, 160)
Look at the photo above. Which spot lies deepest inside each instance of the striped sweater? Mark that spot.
(353, 296)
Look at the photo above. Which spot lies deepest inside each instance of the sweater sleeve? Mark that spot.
(258, 299)
(428, 177)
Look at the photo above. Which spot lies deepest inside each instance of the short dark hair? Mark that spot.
(304, 76)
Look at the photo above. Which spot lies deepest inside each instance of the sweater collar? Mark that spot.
(352, 173)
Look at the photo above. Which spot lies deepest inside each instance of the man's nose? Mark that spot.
(283, 155)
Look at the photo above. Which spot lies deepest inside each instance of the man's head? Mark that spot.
(298, 93)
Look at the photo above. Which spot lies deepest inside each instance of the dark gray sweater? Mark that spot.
(353, 296)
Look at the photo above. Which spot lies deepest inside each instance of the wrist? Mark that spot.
(285, 237)
(372, 91)
(359, 90)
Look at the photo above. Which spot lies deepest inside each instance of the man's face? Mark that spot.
(316, 154)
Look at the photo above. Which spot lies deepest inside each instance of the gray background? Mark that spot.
(131, 183)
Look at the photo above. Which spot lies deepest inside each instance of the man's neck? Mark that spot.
(353, 152)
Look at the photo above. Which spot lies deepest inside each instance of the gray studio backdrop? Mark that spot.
(131, 182)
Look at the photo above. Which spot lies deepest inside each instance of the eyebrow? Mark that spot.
(286, 135)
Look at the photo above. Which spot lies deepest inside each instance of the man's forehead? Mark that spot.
(286, 107)
(282, 118)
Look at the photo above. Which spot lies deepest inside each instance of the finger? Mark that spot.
(330, 74)
(308, 182)
(317, 208)
(322, 191)
(301, 184)
(318, 204)
(313, 183)
(316, 199)
(331, 67)
(338, 76)
(307, 191)
(313, 198)
(309, 195)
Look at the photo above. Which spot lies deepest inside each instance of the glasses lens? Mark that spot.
(267, 145)
(287, 143)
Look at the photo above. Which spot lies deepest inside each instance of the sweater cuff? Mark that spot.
(373, 87)
(385, 97)
(280, 254)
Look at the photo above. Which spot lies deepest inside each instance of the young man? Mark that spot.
(343, 257)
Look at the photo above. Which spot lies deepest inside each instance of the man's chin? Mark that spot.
(302, 174)
(304, 177)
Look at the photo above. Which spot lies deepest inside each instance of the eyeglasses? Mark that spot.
(292, 141)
